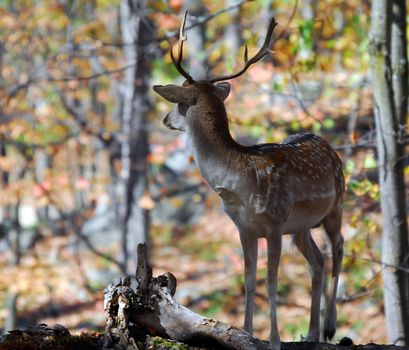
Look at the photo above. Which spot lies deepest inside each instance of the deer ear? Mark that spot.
(223, 90)
(176, 94)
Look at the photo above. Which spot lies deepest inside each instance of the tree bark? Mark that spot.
(387, 66)
(232, 36)
(136, 29)
(399, 60)
(14, 232)
(197, 39)
(399, 65)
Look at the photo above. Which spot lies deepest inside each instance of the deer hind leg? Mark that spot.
(315, 259)
(332, 225)
(274, 242)
(249, 246)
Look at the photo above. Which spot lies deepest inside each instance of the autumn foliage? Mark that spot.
(62, 67)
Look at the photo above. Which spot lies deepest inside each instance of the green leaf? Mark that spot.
(295, 125)
(277, 86)
(316, 126)
(350, 166)
(331, 43)
(328, 123)
(369, 162)
(256, 131)
(306, 33)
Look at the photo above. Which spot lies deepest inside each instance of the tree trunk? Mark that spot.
(10, 232)
(232, 36)
(14, 231)
(399, 63)
(387, 67)
(197, 39)
(136, 30)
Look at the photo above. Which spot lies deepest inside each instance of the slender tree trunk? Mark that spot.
(10, 219)
(136, 29)
(388, 66)
(232, 36)
(2, 52)
(10, 232)
(43, 162)
(197, 39)
(399, 63)
(13, 227)
(399, 60)
(308, 12)
(14, 234)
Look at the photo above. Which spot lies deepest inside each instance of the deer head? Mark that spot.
(190, 98)
(202, 95)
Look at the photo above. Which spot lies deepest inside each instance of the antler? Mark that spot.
(182, 39)
(264, 50)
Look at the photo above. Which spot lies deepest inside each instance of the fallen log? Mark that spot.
(151, 309)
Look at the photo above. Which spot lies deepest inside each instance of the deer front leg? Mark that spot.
(274, 242)
(249, 245)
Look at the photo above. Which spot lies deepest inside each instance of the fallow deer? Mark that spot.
(268, 190)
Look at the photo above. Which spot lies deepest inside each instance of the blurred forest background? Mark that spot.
(87, 170)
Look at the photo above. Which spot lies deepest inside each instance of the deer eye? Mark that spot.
(182, 109)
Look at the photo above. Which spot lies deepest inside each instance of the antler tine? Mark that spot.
(182, 39)
(264, 50)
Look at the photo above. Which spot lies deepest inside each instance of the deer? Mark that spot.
(268, 190)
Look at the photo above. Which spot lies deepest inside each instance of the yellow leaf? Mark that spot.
(176, 202)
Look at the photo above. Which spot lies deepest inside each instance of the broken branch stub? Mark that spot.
(151, 308)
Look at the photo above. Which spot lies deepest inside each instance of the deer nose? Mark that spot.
(166, 121)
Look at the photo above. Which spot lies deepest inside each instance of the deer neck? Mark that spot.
(212, 145)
